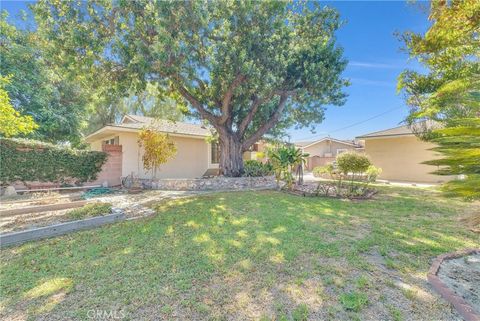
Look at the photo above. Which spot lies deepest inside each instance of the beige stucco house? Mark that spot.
(325, 150)
(399, 153)
(194, 154)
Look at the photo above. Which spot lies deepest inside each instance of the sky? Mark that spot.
(375, 61)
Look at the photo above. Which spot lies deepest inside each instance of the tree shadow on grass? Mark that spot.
(198, 255)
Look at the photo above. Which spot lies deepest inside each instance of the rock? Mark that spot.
(10, 191)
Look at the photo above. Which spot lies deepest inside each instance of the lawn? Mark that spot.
(246, 255)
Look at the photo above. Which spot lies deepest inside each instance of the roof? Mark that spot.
(164, 125)
(304, 144)
(135, 123)
(396, 131)
(405, 130)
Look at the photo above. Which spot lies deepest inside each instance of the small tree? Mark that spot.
(159, 148)
(353, 164)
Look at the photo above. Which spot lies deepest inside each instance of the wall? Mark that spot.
(400, 158)
(216, 183)
(316, 161)
(112, 169)
(191, 160)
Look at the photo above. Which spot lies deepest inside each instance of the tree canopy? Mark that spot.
(249, 68)
(36, 88)
(11, 122)
(449, 94)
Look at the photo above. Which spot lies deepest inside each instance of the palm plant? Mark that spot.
(286, 160)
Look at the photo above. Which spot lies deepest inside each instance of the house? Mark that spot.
(325, 150)
(399, 153)
(195, 155)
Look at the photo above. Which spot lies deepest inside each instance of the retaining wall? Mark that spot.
(216, 183)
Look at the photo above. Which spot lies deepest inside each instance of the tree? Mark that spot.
(249, 68)
(158, 149)
(11, 122)
(37, 89)
(449, 94)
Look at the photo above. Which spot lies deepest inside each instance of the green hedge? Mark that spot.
(30, 160)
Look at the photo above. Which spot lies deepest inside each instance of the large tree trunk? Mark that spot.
(231, 155)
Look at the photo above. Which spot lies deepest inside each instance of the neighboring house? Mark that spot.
(399, 153)
(194, 154)
(325, 150)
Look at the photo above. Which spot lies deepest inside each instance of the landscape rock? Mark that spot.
(212, 184)
(9, 191)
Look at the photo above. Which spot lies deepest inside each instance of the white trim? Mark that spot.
(328, 138)
(128, 117)
(209, 157)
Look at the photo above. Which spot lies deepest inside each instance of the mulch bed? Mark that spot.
(309, 189)
(456, 276)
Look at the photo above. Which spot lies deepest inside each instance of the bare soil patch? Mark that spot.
(462, 275)
(133, 205)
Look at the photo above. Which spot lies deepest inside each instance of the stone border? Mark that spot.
(218, 183)
(463, 307)
(20, 237)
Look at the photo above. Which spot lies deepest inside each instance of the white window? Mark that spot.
(215, 153)
(341, 150)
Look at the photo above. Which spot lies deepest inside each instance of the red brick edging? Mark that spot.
(448, 294)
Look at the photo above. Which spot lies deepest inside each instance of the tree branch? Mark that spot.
(257, 102)
(267, 125)
(197, 105)
(256, 105)
(227, 98)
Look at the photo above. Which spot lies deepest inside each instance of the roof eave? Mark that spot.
(131, 129)
(385, 136)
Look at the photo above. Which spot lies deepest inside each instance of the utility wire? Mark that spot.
(355, 124)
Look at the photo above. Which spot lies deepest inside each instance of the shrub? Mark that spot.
(349, 166)
(90, 210)
(285, 160)
(352, 162)
(372, 173)
(30, 160)
(253, 168)
(320, 171)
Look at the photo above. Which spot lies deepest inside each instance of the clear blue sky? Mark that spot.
(375, 62)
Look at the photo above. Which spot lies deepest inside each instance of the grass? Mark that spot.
(354, 301)
(90, 210)
(245, 255)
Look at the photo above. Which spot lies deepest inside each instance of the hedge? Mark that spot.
(30, 160)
